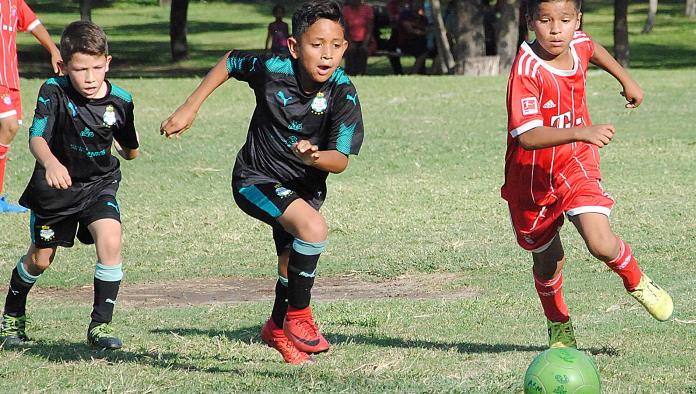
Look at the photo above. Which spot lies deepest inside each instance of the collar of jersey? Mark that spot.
(564, 73)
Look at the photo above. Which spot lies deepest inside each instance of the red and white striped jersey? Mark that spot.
(14, 15)
(541, 95)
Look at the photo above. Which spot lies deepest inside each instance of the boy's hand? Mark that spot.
(177, 124)
(307, 152)
(600, 134)
(57, 175)
(633, 94)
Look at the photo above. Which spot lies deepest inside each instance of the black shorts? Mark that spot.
(267, 201)
(50, 232)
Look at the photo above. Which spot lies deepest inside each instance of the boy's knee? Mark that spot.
(109, 247)
(604, 247)
(38, 262)
(9, 129)
(315, 230)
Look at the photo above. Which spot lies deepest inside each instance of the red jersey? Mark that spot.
(14, 15)
(357, 21)
(541, 95)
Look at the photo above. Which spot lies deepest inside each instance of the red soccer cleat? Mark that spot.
(274, 337)
(299, 328)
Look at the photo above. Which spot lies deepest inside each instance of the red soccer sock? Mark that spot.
(625, 265)
(294, 313)
(551, 297)
(3, 161)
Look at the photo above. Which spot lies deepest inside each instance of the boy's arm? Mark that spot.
(326, 160)
(44, 38)
(182, 119)
(127, 153)
(57, 175)
(268, 38)
(631, 90)
(546, 137)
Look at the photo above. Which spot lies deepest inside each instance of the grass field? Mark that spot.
(422, 199)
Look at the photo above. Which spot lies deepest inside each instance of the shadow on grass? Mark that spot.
(61, 351)
(250, 334)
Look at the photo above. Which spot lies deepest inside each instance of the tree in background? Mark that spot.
(621, 48)
(177, 29)
(86, 10)
(690, 8)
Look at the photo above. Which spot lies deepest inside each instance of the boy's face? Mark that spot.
(319, 51)
(87, 73)
(554, 24)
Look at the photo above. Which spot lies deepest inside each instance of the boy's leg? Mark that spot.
(8, 129)
(280, 306)
(617, 255)
(24, 275)
(548, 282)
(103, 222)
(309, 228)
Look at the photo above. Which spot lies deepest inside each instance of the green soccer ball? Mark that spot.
(562, 370)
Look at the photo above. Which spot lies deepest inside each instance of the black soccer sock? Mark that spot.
(302, 267)
(107, 280)
(280, 306)
(20, 284)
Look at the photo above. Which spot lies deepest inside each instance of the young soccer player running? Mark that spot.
(552, 161)
(15, 15)
(306, 123)
(78, 118)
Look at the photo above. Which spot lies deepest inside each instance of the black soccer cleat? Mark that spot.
(102, 336)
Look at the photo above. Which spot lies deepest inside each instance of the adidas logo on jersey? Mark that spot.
(550, 104)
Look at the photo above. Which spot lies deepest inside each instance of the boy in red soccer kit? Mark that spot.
(15, 15)
(552, 161)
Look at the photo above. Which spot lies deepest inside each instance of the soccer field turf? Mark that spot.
(421, 199)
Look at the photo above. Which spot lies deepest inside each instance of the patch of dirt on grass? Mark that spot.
(236, 290)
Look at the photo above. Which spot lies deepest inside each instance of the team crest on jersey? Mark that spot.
(6, 99)
(319, 104)
(46, 233)
(282, 192)
(109, 116)
(530, 106)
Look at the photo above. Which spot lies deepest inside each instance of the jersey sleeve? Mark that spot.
(346, 127)
(45, 113)
(584, 46)
(126, 135)
(523, 104)
(245, 66)
(26, 19)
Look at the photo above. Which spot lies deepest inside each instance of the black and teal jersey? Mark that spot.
(80, 132)
(330, 118)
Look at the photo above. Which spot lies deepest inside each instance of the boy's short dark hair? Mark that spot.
(313, 10)
(533, 6)
(83, 37)
(278, 7)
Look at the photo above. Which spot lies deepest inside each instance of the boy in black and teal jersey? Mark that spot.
(306, 124)
(72, 191)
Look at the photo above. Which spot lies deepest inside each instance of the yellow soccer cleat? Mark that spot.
(655, 300)
(561, 334)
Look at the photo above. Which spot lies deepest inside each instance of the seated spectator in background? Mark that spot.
(277, 36)
(394, 8)
(359, 20)
(413, 30)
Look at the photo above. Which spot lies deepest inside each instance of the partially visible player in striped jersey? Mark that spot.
(15, 15)
(552, 161)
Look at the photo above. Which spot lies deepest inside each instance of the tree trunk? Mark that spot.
(652, 11)
(508, 33)
(690, 8)
(621, 49)
(177, 29)
(444, 52)
(471, 36)
(86, 10)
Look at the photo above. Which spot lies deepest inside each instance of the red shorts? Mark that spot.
(10, 103)
(536, 228)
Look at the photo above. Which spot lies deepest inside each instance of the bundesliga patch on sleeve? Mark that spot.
(530, 106)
